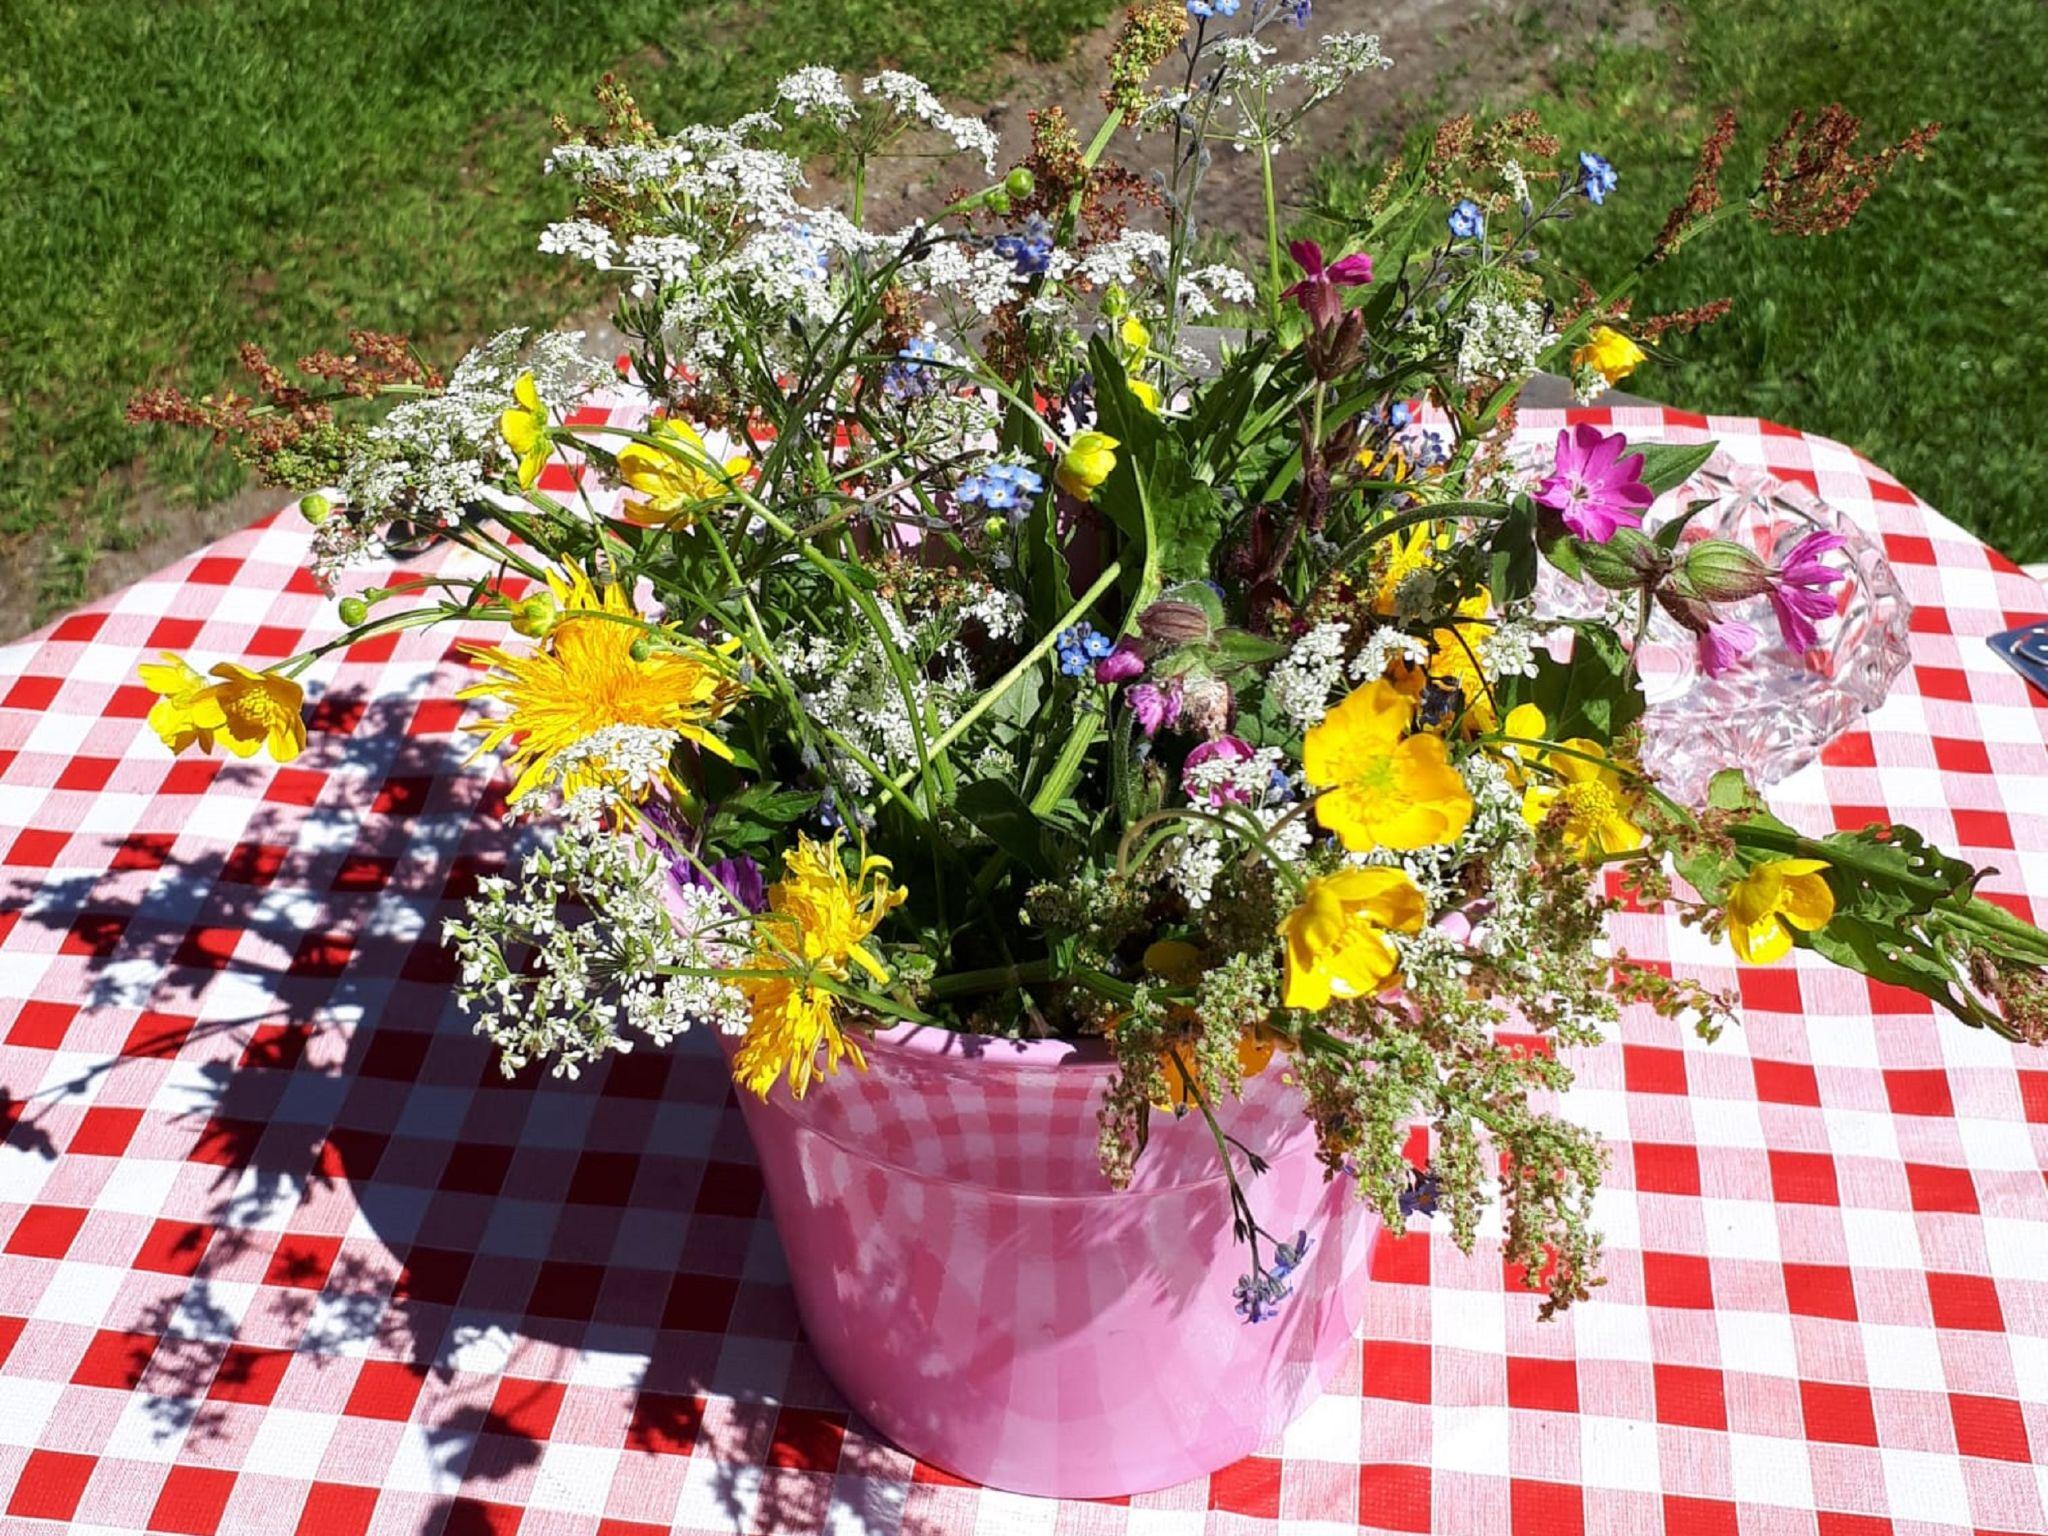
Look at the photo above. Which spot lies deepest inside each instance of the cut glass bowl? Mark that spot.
(1772, 714)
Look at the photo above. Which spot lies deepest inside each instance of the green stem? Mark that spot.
(1272, 234)
(1017, 673)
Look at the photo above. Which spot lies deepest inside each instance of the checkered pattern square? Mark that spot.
(283, 1254)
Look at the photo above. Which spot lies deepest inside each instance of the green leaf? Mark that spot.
(1512, 559)
(755, 816)
(998, 810)
(1241, 648)
(1592, 694)
(1667, 466)
(1152, 495)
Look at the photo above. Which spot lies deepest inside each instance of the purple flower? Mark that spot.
(1121, 664)
(738, 877)
(1725, 644)
(1316, 293)
(1229, 749)
(1593, 487)
(1156, 708)
(1801, 589)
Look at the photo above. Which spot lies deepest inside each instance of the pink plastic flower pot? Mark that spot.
(980, 1294)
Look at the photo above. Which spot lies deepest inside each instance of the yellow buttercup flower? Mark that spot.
(1383, 788)
(187, 711)
(1609, 353)
(1133, 335)
(1525, 722)
(525, 430)
(259, 710)
(1590, 797)
(674, 477)
(1773, 899)
(244, 710)
(818, 922)
(584, 678)
(1336, 940)
(1086, 464)
(1145, 393)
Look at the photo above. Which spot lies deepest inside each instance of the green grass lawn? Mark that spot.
(1920, 334)
(176, 178)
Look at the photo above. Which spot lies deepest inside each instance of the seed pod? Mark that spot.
(315, 508)
(354, 611)
(1725, 572)
(1172, 622)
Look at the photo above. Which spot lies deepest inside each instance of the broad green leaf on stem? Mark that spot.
(1590, 695)
(997, 810)
(1667, 466)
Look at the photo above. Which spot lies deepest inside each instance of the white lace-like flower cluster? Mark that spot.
(1300, 681)
(630, 760)
(569, 957)
(816, 91)
(431, 459)
(912, 98)
(1501, 338)
(1257, 787)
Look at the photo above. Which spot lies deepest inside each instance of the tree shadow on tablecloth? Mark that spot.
(306, 1005)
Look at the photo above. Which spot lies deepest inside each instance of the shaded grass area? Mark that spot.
(177, 178)
(1920, 334)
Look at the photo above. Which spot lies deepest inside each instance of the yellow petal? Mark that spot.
(1807, 902)
(527, 393)
(1366, 723)
(1762, 943)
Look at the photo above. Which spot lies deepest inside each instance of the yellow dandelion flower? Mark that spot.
(1336, 939)
(525, 430)
(584, 678)
(817, 925)
(1585, 789)
(187, 711)
(1407, 555)
(1383, 788)
(1773, 899)
(676, 476)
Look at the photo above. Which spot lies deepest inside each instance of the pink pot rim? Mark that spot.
(935, 1043)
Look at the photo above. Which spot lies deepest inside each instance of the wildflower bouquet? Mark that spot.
(956, 641)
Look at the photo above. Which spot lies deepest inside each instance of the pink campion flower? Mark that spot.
(1316, 293)
(1593, 487)
(1121, 664)
(1726, 644)
(1801, 589)
(1156, 708)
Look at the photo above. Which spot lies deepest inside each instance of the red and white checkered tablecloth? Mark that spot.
(281, 1254)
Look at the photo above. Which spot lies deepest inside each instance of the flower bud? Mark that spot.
(535, 617)
(1020, 183)
(1172, 622)
(642, 647)
(353, 611)
(315, 508)
(998, 201)
(1725, 572)
(1122, 664)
